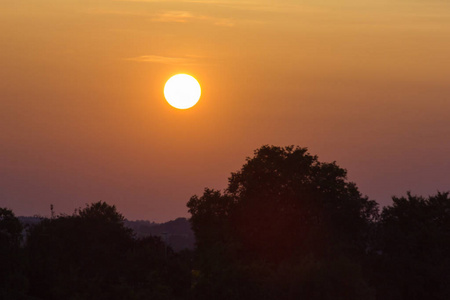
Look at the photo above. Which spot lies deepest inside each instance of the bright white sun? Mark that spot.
(182, 91)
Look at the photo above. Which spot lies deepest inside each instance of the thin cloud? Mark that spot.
(185, 16)
(240, 5)
(224, 22)
(437, 7)
(167, 60)
(173, 17)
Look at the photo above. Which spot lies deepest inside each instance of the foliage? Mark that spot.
(92, 254)
(281, 207)
(10, 229)
(287, 227)
(12, 279)
(413, 260)
(284, 203)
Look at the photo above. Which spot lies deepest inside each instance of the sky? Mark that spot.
(83, 117)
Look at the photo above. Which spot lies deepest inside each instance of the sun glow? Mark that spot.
(182, 91)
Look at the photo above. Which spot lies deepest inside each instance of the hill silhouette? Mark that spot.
(175, 233)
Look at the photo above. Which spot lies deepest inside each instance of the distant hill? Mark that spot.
(27, 221)
(177, 233)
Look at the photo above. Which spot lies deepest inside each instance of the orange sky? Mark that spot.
(83, 117)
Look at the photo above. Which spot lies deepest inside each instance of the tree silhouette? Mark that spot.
(12, 277)
(10, 229)
(287, 227)
(92, 255)
(413, 260)
(79, 255)
(283, 207)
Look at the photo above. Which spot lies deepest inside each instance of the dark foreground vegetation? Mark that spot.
(287, 227)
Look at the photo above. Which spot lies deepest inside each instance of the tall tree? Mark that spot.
(12, 278)
(92, 255)
(78, 255)
(283, 206)
(10, 229)
(282, 203)
(413, 260)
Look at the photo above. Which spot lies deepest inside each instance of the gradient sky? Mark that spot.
(83, 117)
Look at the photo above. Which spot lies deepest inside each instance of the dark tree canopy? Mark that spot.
(101, 212)
(284, 212)
(10, 229)
(285, 203)
(414, 248)
(92, 255)
(12, 278)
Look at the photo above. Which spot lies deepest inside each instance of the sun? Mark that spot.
(182, 91)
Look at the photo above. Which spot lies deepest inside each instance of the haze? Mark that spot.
(83, 116)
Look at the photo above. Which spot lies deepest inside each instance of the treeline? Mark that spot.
(176, 233)
(287, 227)
(88, 255)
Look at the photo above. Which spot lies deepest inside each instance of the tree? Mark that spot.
(12, 278)
(282, 207)
(413, 260)
(102, 212)
(10, 229)
(92, 255)
(80, 255)
(282, 203)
